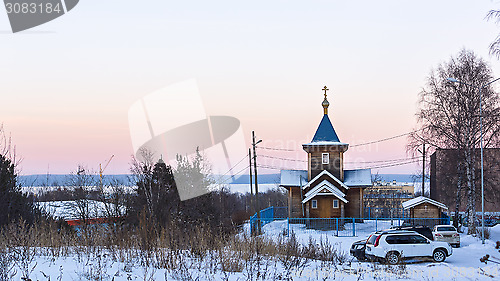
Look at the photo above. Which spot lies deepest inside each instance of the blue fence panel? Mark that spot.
(385, 212)
(266, 216)
(344, 227)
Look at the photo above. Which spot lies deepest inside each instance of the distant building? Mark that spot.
(444, 179)
(325, 190)
(384, 200)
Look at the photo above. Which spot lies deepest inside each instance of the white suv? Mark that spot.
(392, 246)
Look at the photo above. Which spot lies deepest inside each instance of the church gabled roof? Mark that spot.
(325, 131)
(324, 188)
(325, 172)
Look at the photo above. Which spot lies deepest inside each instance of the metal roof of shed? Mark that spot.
(421, 199)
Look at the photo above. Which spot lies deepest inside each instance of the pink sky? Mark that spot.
(67, 86)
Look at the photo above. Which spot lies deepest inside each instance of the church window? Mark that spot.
(335, 203)
(325, 157)
(314, 204)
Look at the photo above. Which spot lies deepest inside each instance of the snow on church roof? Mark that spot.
(352, 178)
(360, 177)
(326, 143)
(292, 177)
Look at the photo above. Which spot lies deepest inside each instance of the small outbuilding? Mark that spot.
(423, 207)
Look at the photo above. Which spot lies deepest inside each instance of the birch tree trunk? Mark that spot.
(458, 196)
(471, 204)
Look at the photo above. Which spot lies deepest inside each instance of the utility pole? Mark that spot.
(301, 197)
(257, 206)
(251, 187)
(423, 168)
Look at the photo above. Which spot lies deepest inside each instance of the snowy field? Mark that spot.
(99, 264)
(463, 264)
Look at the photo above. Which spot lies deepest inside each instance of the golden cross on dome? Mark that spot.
(325, 102)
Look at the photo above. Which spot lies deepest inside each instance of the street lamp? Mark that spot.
(481, 133)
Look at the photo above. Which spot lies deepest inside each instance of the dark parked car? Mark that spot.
(358, 250)
(423, 230)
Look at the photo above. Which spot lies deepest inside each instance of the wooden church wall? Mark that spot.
(325, 208)
(334, 166)
(353, 209)
(295, 202)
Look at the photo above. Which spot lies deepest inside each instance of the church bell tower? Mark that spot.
(325, 151)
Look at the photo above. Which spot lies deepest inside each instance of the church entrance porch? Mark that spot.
(326, 206)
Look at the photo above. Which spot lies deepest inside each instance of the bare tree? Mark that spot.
(449, 117)
(156, 189)
(495, 45)
(142, 176)
(8, 150)
(114, 199)
(84, 183)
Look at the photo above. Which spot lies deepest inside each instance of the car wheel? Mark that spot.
(439, 255)
(392, 258)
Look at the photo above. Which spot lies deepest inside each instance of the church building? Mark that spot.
(325, 189)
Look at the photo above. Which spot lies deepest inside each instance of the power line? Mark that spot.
(354, 145)
(237, 173)
(281, 158)
(221, 176)
(392, 165)
(269, 167)
(350, 162)
(373, 167)
(272, 148)
(389, 138)
(382, 140)
(235, 165)
(382, 161)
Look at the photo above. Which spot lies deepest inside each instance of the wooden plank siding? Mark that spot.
(334, 166)
(294, 202)
(425, 210)
(325, 207)
(354, 198)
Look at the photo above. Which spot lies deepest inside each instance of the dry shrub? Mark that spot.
(7, 270)
(240, 217)
(22, 244)
(487, 232)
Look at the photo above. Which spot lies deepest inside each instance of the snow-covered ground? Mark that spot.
(464, 264)
(69, 210)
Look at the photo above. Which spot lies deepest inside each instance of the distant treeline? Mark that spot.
(62, 180)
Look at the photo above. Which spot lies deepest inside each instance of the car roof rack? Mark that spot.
(396, 231)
